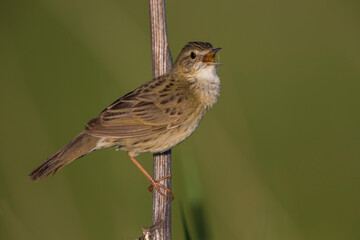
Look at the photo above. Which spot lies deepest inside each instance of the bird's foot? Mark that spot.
(158, 186)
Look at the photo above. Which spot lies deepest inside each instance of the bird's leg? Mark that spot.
(154, 184)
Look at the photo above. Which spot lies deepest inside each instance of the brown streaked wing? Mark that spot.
(134, 115)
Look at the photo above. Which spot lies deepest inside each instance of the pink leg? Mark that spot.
(154, 184)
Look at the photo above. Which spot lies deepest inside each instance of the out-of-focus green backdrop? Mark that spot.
(277, 157)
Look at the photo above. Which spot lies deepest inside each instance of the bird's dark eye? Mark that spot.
(192, 55)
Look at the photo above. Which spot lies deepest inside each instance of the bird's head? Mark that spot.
(196, 57)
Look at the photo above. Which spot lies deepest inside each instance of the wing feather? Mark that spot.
(139, 113)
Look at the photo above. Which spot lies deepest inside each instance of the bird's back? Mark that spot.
(153, 118)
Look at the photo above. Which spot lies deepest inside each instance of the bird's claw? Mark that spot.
(157, 185)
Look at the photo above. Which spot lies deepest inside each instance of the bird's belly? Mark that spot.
(163, 141)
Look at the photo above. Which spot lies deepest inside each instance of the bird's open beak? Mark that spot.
(209, 58)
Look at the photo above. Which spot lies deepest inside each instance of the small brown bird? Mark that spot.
(153, 118)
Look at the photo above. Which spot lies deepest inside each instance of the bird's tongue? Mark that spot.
(209, 57)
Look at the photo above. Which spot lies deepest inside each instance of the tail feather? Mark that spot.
(81, 145)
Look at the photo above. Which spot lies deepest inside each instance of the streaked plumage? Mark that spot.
(154, 117)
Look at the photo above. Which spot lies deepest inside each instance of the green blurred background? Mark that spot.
(276, 158)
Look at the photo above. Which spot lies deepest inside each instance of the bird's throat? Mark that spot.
(206, 83)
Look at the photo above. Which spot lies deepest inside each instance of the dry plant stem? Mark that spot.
(161, 57)
(162, 64)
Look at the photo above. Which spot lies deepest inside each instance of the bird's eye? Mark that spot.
(192, 55)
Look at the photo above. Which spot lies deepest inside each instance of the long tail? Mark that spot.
(81, 145)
